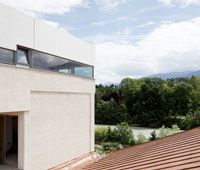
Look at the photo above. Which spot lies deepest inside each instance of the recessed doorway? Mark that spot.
(9, 140)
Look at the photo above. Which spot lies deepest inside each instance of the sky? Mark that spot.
(132, 38)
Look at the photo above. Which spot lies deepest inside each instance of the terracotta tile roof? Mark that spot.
(77, 163)
(176, 152)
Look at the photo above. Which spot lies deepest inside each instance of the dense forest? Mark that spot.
(150, 102)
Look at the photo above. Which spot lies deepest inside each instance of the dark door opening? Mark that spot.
(9, 140)
(2, 158)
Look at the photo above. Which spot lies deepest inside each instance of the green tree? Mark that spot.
(182, 98)
(111, 113)
(195, 82)
(148, 105)
(150, 102)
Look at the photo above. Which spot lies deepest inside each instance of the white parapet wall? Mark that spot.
(19, 29)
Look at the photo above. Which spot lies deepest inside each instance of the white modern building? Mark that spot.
(46, 93)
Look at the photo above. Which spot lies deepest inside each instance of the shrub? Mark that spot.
(175, 129)
(124, 134)
(112, 135)
(163, 132)
(108, 147)
(99, 149)
(190, 121)
(141, 139)
(100, 134)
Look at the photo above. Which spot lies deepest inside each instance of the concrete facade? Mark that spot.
(19, 29)
(55, 110)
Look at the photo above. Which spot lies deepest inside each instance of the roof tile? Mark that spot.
(176, 152)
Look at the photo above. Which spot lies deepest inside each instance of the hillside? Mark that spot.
(176, 74)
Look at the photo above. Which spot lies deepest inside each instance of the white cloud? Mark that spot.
(166, 2)
(99, 23)
(122, 36)
(110, 5)
(108, 22)
(38, 7)
(169, 47)
(182, 3)
(150, 23)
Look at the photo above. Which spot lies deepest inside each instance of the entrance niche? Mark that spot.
(9, 140)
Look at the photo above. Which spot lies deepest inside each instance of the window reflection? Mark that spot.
(41, 60)
(50, 62)
(22, 57)
(6, 56)
(83, 70)
(46, 61)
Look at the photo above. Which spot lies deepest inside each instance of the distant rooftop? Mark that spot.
(176, 152)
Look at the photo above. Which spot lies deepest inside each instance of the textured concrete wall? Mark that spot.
(58, 114)
(60, 130)
(18, 83)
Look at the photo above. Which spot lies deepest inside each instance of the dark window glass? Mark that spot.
(46, 61)
(6, 56)
(22, 57)
(50, 62)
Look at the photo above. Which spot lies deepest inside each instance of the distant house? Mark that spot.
(177, 152)
(46, 93)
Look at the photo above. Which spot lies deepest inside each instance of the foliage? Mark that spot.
(150, 102)
(110, 113)
(148, 105)
(113, 138)
(182, 98)
(108, 147)
(141, 139)
(100, 134)
(191, 121)
(163, 131)
(122, 134)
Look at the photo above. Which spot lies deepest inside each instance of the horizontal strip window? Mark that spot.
(6, 56)
(40, 60)
(49, 62)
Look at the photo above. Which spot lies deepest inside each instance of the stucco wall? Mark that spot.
(59, 129)
(58, 114)
(18, 83)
